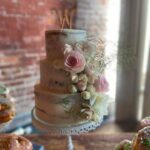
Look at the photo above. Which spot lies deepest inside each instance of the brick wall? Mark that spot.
(22, 27)
(92, 16)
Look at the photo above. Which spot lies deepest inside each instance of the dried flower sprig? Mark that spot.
(94, 51)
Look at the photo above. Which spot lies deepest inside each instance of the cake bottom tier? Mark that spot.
(60, 109)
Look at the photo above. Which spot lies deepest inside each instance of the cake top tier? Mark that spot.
(69, 36)
(56, 39)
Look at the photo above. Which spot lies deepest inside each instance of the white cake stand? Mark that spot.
(65, 130)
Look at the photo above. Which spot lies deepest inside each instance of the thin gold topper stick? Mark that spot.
(67, 17)
(71, 17)
(60, 17)
(62, 25)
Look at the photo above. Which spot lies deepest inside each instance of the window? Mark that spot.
(134, 34)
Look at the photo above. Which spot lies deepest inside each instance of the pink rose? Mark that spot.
(101, 84)
(74, 62)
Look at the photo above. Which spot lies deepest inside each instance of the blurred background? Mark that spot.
(123, 25)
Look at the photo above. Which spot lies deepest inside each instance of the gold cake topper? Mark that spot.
(65, 17)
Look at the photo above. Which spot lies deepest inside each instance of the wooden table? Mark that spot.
(105, 137)
(90, 141)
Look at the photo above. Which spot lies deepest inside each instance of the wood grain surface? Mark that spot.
(90, 141)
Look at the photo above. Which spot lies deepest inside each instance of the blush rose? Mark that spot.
(101, 84)
(74, 62)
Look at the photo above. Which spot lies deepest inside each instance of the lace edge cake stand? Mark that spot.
(65, 130)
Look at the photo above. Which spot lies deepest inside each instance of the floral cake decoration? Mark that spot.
(85, 62)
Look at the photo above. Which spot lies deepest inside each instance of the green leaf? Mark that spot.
(146, 142)
(127, 146)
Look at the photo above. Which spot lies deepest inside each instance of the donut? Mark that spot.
(142, 139)
(14, 142)
(6, 113)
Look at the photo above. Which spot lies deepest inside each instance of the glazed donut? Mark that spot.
(14, 142)
(7, 112)
(142, 139)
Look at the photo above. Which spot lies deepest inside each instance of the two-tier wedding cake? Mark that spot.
(72, 84)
